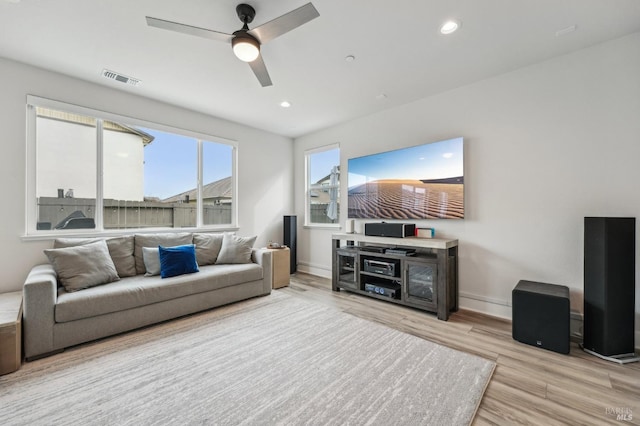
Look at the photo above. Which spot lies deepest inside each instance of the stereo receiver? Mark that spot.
(383, 267)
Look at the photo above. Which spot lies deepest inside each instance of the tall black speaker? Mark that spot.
(289, 239)
(609, 286)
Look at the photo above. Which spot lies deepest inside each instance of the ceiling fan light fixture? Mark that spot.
(245, 47)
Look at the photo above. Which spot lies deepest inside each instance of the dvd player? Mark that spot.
(391, 290)
(373, 249)
(401, 251)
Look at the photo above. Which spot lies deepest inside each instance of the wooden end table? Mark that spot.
(10, 332)
(281, 272)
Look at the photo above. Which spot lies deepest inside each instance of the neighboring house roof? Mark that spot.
(325, 180)
(220, 189)
(90, 121)
(321, 195)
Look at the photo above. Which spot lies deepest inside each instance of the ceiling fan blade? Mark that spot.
(188, 29)
(285, 23)
(260, 70)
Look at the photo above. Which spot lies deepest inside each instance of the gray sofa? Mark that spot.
(54, 318)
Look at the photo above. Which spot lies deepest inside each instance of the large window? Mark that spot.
(93, 170)
(323, 186)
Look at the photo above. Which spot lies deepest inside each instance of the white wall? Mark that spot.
(66, 150)
(545, 146)
(123, 156)
(265, 170)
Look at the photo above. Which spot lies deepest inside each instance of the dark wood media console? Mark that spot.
(427, 279)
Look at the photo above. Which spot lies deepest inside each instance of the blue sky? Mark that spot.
(170, 163)
(322, 162)
(430, 161)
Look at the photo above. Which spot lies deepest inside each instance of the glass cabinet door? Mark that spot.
(346, 270)
(420, 283)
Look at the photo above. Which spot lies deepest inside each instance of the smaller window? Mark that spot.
(323, 186)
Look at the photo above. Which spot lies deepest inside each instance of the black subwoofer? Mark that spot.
(609, 285)
(541, 315)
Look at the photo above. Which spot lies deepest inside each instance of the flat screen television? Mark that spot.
(420, 182)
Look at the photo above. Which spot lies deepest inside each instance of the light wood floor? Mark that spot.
(529, 386)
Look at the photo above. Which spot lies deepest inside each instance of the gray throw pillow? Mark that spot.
(120, 250)
(155, 240)
(151, 256)
(83, 266)
(235, 249)
(207, 247)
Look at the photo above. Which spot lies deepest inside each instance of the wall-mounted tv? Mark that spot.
(421, 182)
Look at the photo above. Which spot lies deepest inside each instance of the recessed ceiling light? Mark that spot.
(450, 26)
(285, 104)
(381, 97)
(349, 58)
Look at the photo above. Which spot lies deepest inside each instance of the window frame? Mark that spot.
(307, 186)
(31, 208)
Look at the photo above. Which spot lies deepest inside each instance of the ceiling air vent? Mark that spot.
(112, 75)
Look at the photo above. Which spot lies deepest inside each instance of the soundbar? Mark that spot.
(384, 229)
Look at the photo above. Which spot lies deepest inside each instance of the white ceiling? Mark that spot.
(399, 51)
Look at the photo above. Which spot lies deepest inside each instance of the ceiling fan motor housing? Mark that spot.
(246, 13)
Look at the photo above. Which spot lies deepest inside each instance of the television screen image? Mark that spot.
(420, 182)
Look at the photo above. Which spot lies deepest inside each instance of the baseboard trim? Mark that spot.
(314, 269)
(486, 305)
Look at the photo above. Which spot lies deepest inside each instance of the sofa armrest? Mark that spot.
(39, 296)
(264, 258)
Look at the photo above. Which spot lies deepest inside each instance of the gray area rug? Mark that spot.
(273, 360)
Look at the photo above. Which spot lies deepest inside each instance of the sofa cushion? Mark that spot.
(155, 240)
(120, 250)
(235, 249)
(207, 247)
(133, 292)
(83, 266)
(151, 256)
(178, 260)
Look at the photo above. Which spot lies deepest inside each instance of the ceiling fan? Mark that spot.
(245, 42)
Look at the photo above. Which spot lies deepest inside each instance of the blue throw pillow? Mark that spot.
(177, 260)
